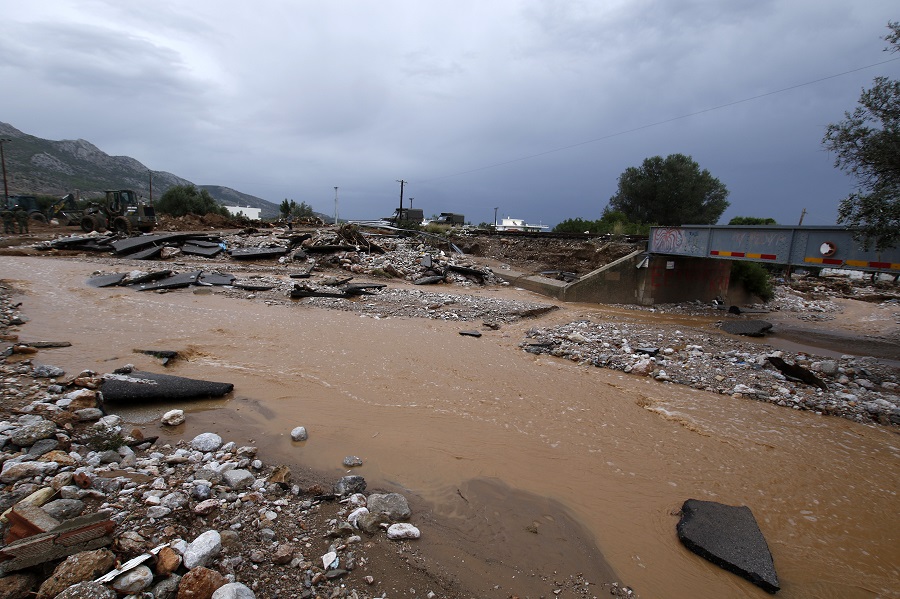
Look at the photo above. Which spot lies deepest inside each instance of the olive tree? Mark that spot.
(670, 191)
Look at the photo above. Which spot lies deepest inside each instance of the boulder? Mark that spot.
(348, 485)
(200, 583)
(133, 581)
(17, 586)
(87, 590)
(403, 530)
(233, 590)
(394, 505)
(729, 537)
(173, 418)
(81, 567)
(28, 435)
(202, 550)
(206, 442)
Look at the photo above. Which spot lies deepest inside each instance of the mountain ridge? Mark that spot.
(36, 166)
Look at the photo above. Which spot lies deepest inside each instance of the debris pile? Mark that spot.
(98, 509)
(857, 388)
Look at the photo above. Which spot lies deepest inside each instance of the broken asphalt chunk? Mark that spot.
(729, 537)
(145, 254)
(215, 278)
(193, 249)
(257, 253)
(797, 373)
(166, 355)
(106, 280)
(750, 328)
(253, 285)
(470, 333)
(429, 280)
(174, 282)
(140, 386)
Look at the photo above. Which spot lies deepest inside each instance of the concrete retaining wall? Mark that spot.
(636, 279)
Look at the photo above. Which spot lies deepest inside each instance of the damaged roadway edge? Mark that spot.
(149, 386)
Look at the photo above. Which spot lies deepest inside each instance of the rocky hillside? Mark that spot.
(36, 166)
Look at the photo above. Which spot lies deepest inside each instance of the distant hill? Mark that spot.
(36, 166)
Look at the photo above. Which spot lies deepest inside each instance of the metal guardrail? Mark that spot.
(814, 247)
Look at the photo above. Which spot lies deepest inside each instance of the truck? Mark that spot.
(415, 215)
(451, 218)
(123, 211)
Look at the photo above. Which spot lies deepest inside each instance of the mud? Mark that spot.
(432, 413)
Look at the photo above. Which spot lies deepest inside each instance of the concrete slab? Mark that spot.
(142, 386)
(253, 286)
(729, 537)
(155, 275)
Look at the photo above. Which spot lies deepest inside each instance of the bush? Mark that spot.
(754, 277)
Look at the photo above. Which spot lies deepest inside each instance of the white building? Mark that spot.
(518, 224)
(246, 211)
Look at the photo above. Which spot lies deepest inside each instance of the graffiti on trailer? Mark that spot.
(667, 239)
(769, 239)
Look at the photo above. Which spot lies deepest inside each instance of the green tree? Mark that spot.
(187, 199)
(751, 220)
(670, 191)
(292, 208)
(867, 147)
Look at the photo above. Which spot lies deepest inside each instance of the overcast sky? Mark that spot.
(534, 107)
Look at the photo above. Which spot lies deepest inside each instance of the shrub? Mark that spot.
(754, 277)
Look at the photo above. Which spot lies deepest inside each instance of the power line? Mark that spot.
(663, 122)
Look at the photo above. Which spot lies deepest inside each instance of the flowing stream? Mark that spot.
(430, 411)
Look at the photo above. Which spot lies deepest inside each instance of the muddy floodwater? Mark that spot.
(432, 412)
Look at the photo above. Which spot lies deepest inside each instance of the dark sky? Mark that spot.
(532, 107)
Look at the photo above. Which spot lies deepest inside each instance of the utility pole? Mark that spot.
(400, 212)
(495, 216)
(802, 214)
(3, 160)
(150, 173)
(410, 203)
(335, 206)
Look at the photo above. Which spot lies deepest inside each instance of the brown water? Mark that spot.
(429, 410)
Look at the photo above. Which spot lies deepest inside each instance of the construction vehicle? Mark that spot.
(124, 211)
(65, 211)
(27, 203)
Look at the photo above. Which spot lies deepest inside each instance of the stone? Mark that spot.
(64, 509)
(352, 461)
(45, 371)
(174, 501)
(239, 479)
(299, 434)
(203, 549)
(350, 484)
(207, 506)
(13, 471)
(141, 386)
(173, 418)
(394, 505)
(157, 511)
(283, 553)
(17, 586)
(200, 583)
(87, 590)
(403, 530)
(28, 435)
(133, 581)
(729, 537)
(81, 567)
(89, 414)
(206, 442)
(166, 588)
(42, 447)
(167, 561)
(233, 590)
(370, 522)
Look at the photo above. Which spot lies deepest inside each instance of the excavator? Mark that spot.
(124, 211)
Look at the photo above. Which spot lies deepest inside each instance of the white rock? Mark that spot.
(173, 418)
(202, 549)
(299, 434)
(238, 479)
(133, 581)
(355, 514)
(328, 559)
(233, 590)
(206, 442)
(403, 530)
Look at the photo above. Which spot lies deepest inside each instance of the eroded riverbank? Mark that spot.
(430, 410)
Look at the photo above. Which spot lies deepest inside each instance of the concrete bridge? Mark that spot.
(694, 263)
